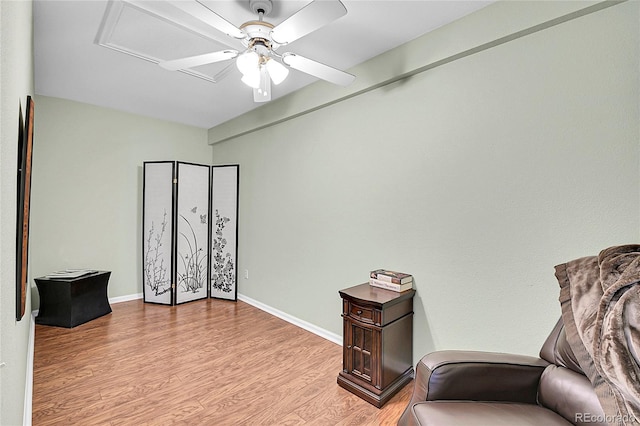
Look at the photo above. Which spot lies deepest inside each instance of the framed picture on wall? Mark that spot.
(25, 149)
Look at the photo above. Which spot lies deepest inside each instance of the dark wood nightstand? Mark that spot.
(377, 342)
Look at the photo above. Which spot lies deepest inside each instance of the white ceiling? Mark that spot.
(70, 64)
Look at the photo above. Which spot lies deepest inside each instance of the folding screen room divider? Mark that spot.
(190, 231)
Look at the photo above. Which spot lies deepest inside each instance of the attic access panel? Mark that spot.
(158, 31)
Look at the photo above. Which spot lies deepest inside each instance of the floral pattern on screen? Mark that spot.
(224, 232)
(223, 276)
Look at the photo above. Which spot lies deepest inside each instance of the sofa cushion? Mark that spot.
(571, 395)
(477, 413)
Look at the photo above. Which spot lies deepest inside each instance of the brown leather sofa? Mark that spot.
(492, 389)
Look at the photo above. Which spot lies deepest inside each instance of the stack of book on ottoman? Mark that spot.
(391, 280)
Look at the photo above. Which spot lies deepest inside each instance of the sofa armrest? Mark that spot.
(479, 376)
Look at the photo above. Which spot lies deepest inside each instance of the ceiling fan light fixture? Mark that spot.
(277, 71)
(248, 62)
(252, 78)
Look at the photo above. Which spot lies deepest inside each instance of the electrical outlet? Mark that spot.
(246, 274)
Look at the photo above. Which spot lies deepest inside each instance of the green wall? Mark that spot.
(16, 82)
(87, 187)
(477, 173)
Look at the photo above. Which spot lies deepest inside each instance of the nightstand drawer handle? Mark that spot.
(359, 312)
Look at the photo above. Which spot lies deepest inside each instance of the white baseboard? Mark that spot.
(333, 337)
(125, 298)
(28, 385)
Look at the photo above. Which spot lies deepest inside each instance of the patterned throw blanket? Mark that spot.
(600, 299)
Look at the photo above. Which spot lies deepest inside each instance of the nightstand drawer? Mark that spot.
(363, 313)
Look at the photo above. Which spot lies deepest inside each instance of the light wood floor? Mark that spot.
(209, 362)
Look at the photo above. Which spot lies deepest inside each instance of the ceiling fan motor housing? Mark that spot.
(258, 32)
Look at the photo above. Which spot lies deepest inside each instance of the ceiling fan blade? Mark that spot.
(313, 16)
(194, 61)
(208, 16)
(316, 69)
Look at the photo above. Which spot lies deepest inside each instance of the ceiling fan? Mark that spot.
(259, 62)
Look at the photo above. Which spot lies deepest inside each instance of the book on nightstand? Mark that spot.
(391, 280)
(391, 276)
(391, 286)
